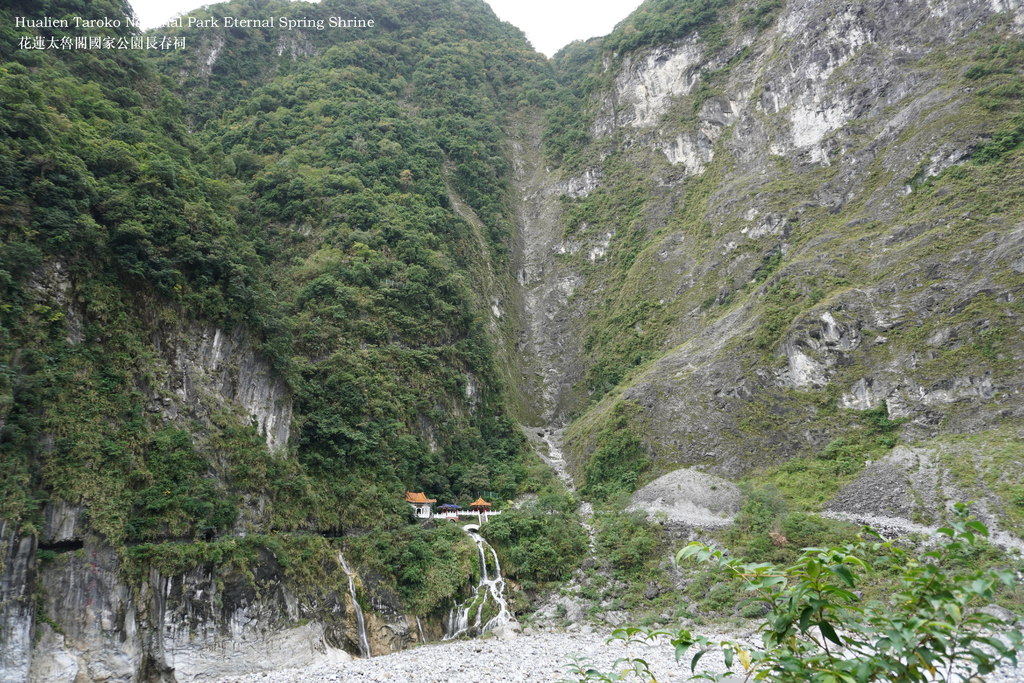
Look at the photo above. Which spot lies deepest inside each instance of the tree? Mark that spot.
(477, 478)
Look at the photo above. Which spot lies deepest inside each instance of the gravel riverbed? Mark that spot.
(540, 656)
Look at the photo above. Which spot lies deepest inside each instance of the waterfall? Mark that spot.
(364, 642)
(423, 638)
(493, 589)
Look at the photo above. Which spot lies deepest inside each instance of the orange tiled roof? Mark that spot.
(418, 498)
(479, 502)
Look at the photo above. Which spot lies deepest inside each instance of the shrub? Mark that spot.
(540, 541)
(929, 630)
(627, 540)
(619, 459)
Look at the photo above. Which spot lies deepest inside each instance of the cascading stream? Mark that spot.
(554, 457)
(423, 638)
(364, 642)
(488, 588)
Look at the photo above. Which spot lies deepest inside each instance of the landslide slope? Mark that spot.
(796, 230)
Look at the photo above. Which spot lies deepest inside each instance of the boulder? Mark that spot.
(573, 612)
(508, 631)
(614, 619)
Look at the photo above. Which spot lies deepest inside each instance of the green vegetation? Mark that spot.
(106, 207)
(565, 119)
(929, 626)
(540, 541)
(766, 530)
(301, 198)
(430, 566)
(176, 495)
(660, 22)
(781, 308)
(997, 72)
(760, 16)
(628, 541)
(802, 484)
(619, 458)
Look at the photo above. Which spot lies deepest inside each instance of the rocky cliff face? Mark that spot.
(809, 228)
(547, 286)
(72, 610)
(78, 616)
(206, 364)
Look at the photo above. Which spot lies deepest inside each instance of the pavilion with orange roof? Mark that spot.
(421, 504)
(481, 507)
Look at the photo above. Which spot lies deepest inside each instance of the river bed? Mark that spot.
(539, 656)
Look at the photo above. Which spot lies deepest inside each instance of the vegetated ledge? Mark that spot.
(209, 537)
(59, 547)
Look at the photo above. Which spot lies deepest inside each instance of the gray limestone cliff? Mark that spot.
(71, 608)
(808, 232)
(79, 615)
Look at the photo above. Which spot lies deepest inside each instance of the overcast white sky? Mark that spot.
(549, 24)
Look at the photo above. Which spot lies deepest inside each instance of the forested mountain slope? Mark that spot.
(251, 320)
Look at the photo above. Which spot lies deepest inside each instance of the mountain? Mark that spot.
(238, 326)
(787, 217)
(258, 287)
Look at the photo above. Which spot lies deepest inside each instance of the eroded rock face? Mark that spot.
(194, 626)
(17, 608)
(913, 489)
(547, 286)
(202, 624)
(837, 94)
(78, 616)
(205, 362)
(648, 84)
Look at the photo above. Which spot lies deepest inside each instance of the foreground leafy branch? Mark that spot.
(819, 629)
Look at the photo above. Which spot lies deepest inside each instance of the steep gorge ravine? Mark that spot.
(767, 231)
(545, 285)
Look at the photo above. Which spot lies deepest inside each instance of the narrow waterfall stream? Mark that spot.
(364, 642)
(423, 638)
(488, 588)
(553, 458)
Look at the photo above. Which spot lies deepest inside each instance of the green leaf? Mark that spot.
(839, 592)
(783, 623)
(979, 527)
(805, 618)
(829, 632)
(843, 573)
(696, 658)
(953, 611)
(813, 569)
